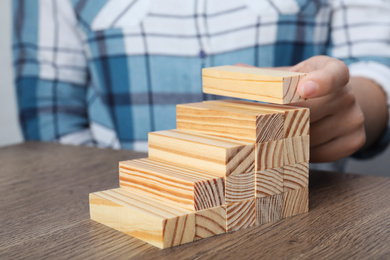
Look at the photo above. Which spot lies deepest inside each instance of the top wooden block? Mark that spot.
(274, 86)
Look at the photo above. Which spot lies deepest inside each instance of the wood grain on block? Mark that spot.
(240, 215)
(210, 222)
(296, 119)
(155, 223)
(295, 202)
(240, 187)
(182, 186)
(250, 124)
(297, 150)
(266, 85)
(269, 209)
(203, 152)
(296, 176)
(269, 155)
(269, 182)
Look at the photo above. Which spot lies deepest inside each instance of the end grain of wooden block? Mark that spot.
(240, 187)
(250, 124)
(266, 85)
(297, 150)
(210, 222)
(296, 176)
(173, 184)
(207, 153)
(295, 202)
(155, 223)
(269, 209)
(269, 182)
(296, 119)
(241, 215)
(269, 155)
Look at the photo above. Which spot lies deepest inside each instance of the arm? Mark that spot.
(50, 72)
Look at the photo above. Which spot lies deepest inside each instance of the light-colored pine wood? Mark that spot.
(250, 124)
(269, 209)
(158, 224)
(210, 222)
(240, 187)
(266, 85)
(296, 119)
(296, 176)
(269, 155)
(182, 186)
(295, 202)
(269, 182)
(241, 215)
(207, 153)
(297, 150)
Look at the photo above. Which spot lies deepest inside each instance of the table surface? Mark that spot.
(44, 214)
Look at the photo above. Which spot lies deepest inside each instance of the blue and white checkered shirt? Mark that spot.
(108, 72)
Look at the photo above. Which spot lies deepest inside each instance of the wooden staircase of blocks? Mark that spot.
(229, 165)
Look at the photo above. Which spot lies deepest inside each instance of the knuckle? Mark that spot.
(358, 141)
(359, 119)
(348, 97)
(342, 70)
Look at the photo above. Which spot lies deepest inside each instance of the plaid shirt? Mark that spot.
(106, 73)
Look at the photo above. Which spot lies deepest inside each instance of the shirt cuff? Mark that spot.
(380, 74)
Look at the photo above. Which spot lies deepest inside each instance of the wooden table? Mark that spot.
(44, 214)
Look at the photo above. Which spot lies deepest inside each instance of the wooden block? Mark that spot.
(269, 155)
(295, 202)
(240, 187)
(250, 124)
(296, 176)
(155, 223)
(240, 215)
(207, 153)
(269, 209)
(297, 150)
(266, 85)
(184, 187)
(269, 182)
(210, 222)
(296, 119)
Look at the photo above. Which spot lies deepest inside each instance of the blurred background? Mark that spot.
(9, 127)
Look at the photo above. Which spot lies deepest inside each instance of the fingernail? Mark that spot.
(309, 89)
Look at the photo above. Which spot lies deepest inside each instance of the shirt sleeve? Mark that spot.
(360, 36)
(50, 72)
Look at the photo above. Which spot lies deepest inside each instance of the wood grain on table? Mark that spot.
(44, 214)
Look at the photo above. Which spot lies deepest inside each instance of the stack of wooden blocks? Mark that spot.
(229, 165)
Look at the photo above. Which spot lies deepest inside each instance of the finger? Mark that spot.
(298, 67)
(332, 127)
(322, 107)
(320, 82)
(321, 132)
(338, 148)
(319, 107)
